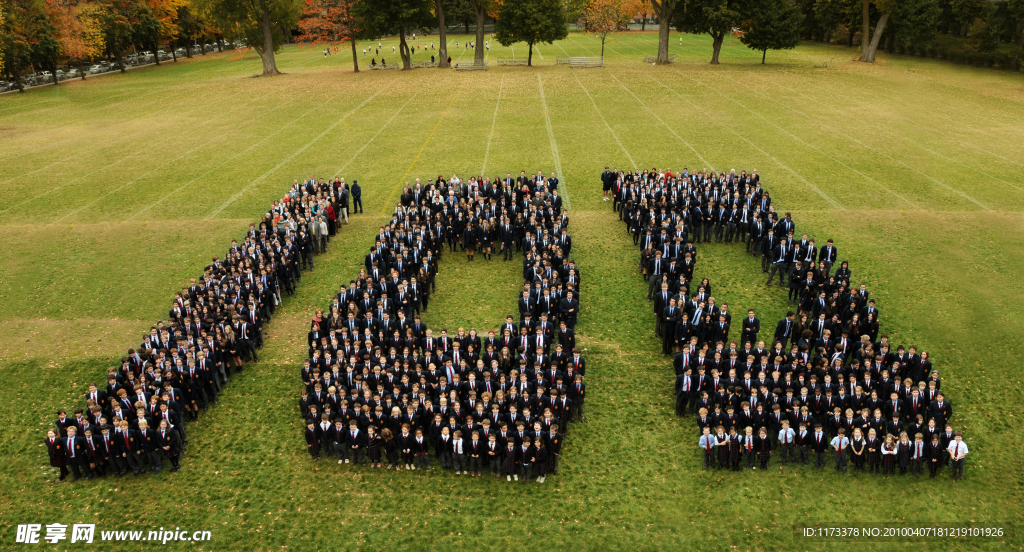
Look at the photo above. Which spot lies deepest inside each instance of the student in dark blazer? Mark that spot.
(170, 444)
(78, 455)
(56, 450)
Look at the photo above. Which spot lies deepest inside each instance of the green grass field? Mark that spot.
(114, 192)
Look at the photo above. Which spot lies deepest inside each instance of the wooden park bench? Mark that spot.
(511, 61)
(471, 66)
(561, 61)
(585, 62)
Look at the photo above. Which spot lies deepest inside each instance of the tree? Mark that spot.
(331, 21)
(78, 30)
(120, 21)
(831, 14)
(395, 17)
(773, 25)
(869, 43)
(1016, 11)
(914, 22)
(190, 25)
(483, 8)
(603, 17)
(26, 38)
(1, 44)
(259, 23)
(640, 8)
(664, 10)
(161, 23)
(715, 17)
(442, 35)
(532, 22)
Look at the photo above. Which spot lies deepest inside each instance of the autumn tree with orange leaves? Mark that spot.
(78, 29)
(604, 17)
(331, 22)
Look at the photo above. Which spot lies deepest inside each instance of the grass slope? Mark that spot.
(114, 192)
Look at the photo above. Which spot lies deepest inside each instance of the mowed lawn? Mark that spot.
(114, 192)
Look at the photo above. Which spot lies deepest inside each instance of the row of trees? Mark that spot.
(913, 22)
(767, 24)
(47, 34)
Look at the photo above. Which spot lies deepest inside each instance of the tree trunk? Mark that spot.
(17, 80)
(119, 58)
(174, 54)
(442, 36)
(355, 58)
(156, 52)
(866, 27)
(267, 52)
(850, 41)
(53, 69)
(869, 54)
(603, 37)
(663, 29)
(716, 44)
(403, 51)
(481, 16)
(83, 70)
(465, 24)
(643, 23)
(529, 57)
(764, 53)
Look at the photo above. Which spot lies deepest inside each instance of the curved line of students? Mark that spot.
(379, 386)
(214, 326)
(838, 384)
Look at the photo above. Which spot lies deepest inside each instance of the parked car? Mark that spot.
(180, 52)
(95, 69)
(74, 73)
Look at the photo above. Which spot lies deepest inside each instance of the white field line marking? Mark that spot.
(851, 169)
(68, 183)
(609, 127)
(940, 114)
(140, 177)
(230, 159)
(494, 121)
(294, 154)
(930, 151)
(905, 138)
(367, 143)
(106, 145)
(581, 45)
(554, 146)
(799, 176)
(664, 124)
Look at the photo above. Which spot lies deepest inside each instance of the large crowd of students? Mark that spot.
(137, 417)
(824, 384)
(380, 388)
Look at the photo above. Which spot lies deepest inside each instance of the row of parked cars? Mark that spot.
(133, 60)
